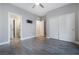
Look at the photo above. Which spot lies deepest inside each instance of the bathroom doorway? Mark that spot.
(14, 28)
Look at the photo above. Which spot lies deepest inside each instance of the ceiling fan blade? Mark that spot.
(41, 5)
(33, 6)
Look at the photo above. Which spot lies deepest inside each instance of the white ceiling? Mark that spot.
(38, 10)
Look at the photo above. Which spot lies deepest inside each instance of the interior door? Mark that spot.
(40, 28)
(13, 28)
(53, 28)
(15, 31)
(67, 27)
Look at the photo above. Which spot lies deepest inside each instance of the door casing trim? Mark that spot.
(9, 14)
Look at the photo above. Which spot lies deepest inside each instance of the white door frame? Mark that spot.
(9, 14)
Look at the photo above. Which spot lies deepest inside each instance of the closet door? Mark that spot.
(53, 28)
(67, 27)
(62, 27)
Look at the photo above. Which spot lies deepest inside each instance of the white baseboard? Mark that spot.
(48, 37)
(27, 37)
(21, 39)
(4, 43)
(76, 42)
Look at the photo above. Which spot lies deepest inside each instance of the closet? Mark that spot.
(62, 27)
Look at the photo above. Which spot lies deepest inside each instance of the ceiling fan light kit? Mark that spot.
(38, 4)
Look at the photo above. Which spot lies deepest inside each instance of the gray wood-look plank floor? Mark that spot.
(41, 46)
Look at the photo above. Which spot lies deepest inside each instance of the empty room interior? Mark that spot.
(39, 28)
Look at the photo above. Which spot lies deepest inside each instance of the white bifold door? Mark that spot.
(53, 28)
(63, 27)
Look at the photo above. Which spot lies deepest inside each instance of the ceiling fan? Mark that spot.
(38, 4)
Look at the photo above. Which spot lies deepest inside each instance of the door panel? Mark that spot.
(67, 27)
(53, 28)
(62, 28)
(40, 28)
(13, 29)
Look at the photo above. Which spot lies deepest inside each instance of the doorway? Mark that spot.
(14, 28)
(40, 28)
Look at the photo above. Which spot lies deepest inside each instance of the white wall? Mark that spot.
(0, 23)
(28, 30)
(54, 14)
(78, 22)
